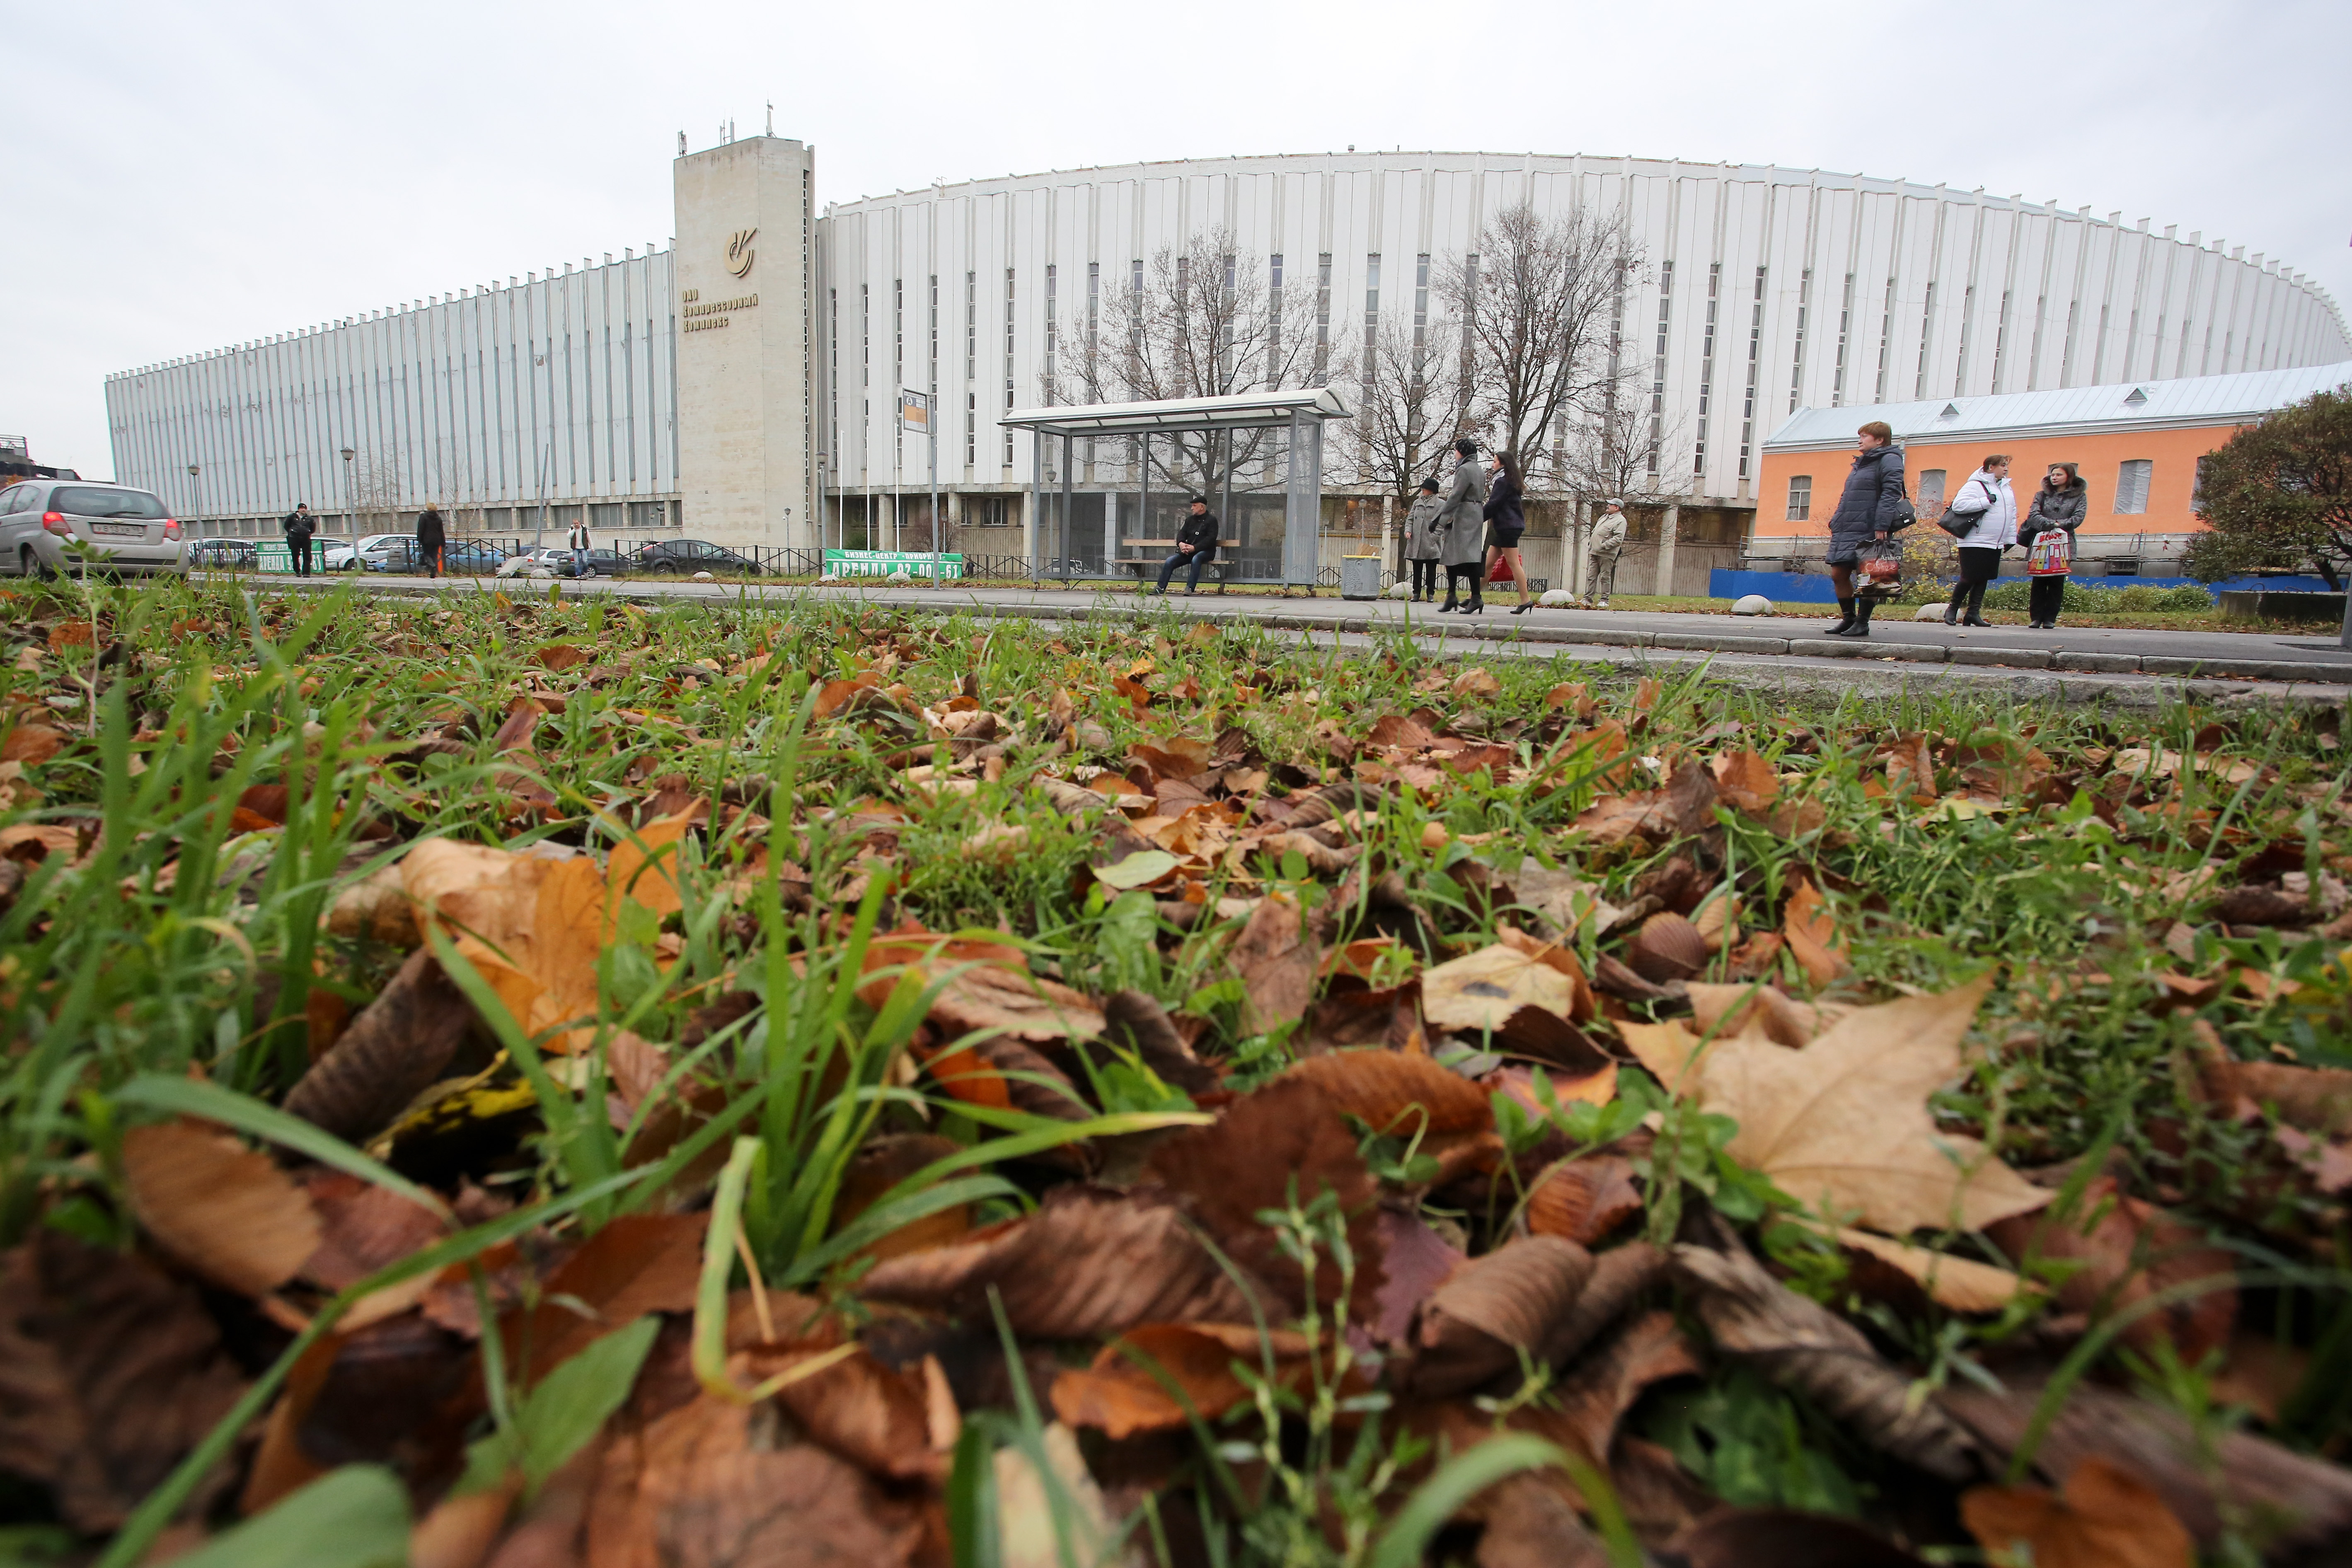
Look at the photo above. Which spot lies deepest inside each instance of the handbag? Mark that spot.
(1501, 570)
(2049, 555)
(1961, 524)
(1878, 573)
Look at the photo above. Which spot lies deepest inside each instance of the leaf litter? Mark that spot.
(696, 1087)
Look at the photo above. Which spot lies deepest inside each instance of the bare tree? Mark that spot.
(1408, 404)
(1536, 297)
(1207, 323)
(1608, 452)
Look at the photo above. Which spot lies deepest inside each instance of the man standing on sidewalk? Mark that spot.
(1196, 546)
(1608, 543)
(299, 525)
(431, 539)
(579, 545)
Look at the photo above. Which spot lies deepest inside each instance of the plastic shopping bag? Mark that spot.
(1878, 573)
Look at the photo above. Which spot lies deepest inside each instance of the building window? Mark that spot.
(971, 429)
(1657, 363)
(1273, 318)
(1931, 487)
(2131, 487)
(1804, 309)
(1053, 341)
(972, 326)
(1755, 359)
(1800, 498)
(1008, 361)
(1845, 330)
(1322, 316)
(1094, 306)
(1706, 369)
(1372, 307)
(2197, 485)
(932, 384)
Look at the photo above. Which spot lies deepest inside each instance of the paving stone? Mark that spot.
(1713, 642)
(2112, 663)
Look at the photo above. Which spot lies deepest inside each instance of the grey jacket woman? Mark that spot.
(1874, 490)
(2055, 509)
(1465, 518)
(1424, 539)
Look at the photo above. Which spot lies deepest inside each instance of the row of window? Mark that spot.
(2131, 489)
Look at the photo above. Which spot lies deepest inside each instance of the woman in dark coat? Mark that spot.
(2061, 504)
(1867, 513)
(1507, 519)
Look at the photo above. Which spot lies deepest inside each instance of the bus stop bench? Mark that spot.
(1143, 567)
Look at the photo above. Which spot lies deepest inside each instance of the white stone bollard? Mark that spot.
(1751, 605)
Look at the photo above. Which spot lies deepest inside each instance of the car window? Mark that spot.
(91, 500)
(13, 498)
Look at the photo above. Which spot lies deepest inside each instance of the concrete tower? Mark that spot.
(746, 216)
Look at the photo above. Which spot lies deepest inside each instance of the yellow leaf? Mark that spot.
(1843, 1125)
(1663, 1048)
(1962, 1284)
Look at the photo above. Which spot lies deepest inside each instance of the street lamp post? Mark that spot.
(196, 493)
(350, 499)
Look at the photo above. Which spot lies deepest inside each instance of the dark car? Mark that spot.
(691, 555)
(600, 563)
(223, 555)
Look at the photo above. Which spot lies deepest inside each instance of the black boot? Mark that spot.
(1452, 589)
(1845, 619)
(1861, 619)
(1952, 610)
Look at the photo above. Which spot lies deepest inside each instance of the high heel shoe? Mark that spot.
(1951, 615)
(1448, 608)
(1524, 608)
(1474, 607)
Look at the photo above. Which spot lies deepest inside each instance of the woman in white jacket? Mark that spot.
(1987, 498)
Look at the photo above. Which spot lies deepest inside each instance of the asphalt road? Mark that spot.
(2073, 663)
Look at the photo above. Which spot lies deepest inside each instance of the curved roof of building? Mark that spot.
(2234, 399)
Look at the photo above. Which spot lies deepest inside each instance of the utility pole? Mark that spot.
(197, 487)
(917, 412)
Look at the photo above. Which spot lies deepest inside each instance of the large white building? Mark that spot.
(741, 383)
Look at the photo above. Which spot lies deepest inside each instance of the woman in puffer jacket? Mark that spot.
(1868, 513)
(2059, 507)
(1987, 498)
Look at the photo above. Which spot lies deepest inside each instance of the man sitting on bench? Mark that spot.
(1196, 546)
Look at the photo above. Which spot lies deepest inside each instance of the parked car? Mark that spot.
(689, 555)
(223, 555)
(468, 558)
(49, 526)
(558, 559)
(364, 554)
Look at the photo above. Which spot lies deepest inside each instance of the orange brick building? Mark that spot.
(2138, 444)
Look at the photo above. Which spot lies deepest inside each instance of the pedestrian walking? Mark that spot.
(1607, 543)
(1868, 513)
(580, 547)
(432, 538)
(1424, 541)
(2048, 535)
(1987, 507)
(1196, 546)
(1507, 519)
(1464, 519)
(298, 526)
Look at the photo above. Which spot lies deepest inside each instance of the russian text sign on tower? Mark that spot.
(914, 410)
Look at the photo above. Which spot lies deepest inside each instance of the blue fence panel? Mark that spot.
(1805, 588)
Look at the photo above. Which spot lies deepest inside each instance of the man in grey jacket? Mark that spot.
(1608, 543)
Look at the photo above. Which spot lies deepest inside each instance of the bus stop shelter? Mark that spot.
(1111, 480)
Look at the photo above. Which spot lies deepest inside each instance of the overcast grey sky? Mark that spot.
(185, 177)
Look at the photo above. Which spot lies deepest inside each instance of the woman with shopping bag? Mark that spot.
(2048, 535)
(1869, 512)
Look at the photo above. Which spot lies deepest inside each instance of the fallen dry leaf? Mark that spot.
(111, 1372)
(1475, 1325)
(2108, 1517)
(1961, 1283)
(532, 926)
(1120, 1396)
(1585, 1200)
(2130, 1250)
(400, 1044)
(1812, 936)
(226, 1212)
(1842, 1124)
(1276, 957)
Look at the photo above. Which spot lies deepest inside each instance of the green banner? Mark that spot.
(883, 563)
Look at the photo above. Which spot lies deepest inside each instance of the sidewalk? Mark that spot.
(1792, 639)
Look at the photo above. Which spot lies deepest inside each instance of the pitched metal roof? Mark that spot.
(2074, 410)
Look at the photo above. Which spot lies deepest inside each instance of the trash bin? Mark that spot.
(1359, 576)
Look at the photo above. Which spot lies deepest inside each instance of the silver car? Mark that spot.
(52, 526)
